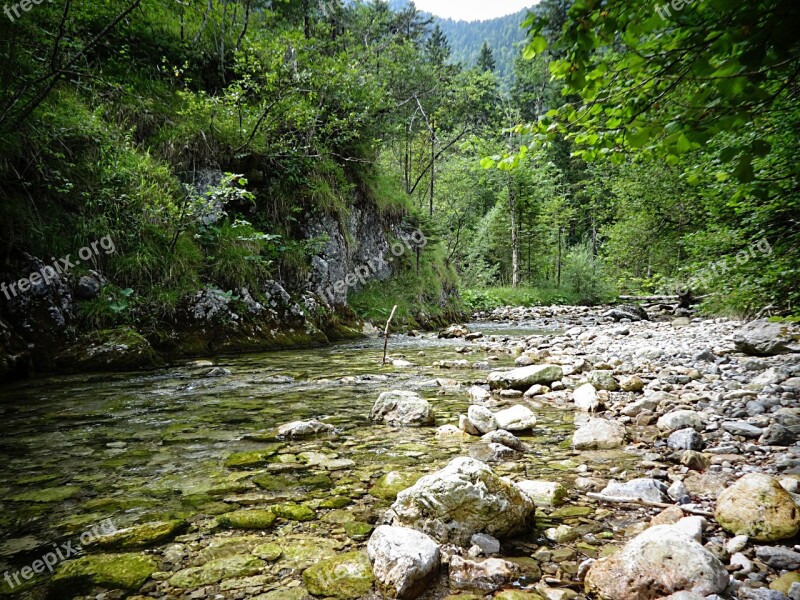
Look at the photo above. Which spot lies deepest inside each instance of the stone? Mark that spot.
(347, 576)
(742, 428)
(660, 561)
(404, 561)
(487, 543)
(681, 419)
(599, 434)
(648, 403)
(402, 409)
(586, 399)
(478, 395)
(451, 433)
(88, 288)
(544, 493)
(482, 419)
(634, 383)
(115, 571)
(685, 439)
(780, 559)
(140, 536)
(217, 570)
(758, 507)
(268, 552)
(392, 483)
(603, 380)
(736, 544)
(505, 438)
(777, 435)
(639, 489)
(677, 491)
(784, 583)
(462, 499)
(247, 519)
(696, 461)
(563, 534)
(493, 453)
(465, 425)
(516, 418)
(487, 575)
(305, 429)
(525, 377)
(294, 512)
(763, 338)
(632, 312)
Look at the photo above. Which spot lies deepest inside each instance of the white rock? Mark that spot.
(487, 575)
(302, 429)
(404, 561)
(478, 394)
(599, 434)
(516, 418)
(585, 398)
(543, 493)
(482, 419)
(650, 490)
(524, 377)
(736, 544)
(402, 409)
(682, 419)
(692, 526)
(660, 561)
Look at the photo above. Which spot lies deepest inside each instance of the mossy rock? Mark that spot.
(141, 536)
(784, 582)
(247, 519)
(294, 512)
(268, 552)
(347, 576)
(216, 570)
(568, 512)
(55, 494)
(286, 483)
(247, 460)
(297, 593)
(113, 571)
(335, 502)
(358, 531)
(121, 349)
(391, 484)
(517, 595)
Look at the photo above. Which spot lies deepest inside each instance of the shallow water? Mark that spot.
(137, 448)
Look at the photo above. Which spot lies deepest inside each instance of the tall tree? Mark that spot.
(486, 60)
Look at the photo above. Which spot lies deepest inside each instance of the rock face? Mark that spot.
(599, 434)
(402, 409)
(304, 429)
(758, 507)
(525, 377)
(403, 561)
(464, 498)
(762, 338)
(516, 418)
(661, 561)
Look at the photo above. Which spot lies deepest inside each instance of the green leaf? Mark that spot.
(535, 47)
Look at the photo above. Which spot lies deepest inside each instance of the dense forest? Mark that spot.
(633, 154)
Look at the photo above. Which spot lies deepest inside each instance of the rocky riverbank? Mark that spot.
(555, 454)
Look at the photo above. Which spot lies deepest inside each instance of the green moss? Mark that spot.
(217, 570)
(388, 486)
(294, 512)
(335, 502)
(141, 536)
(114, 571)
(268, 552)
(247, 519)
(347, 576)
(358, 531)
(245, 460)
(56, 494)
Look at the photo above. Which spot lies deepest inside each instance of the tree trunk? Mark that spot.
(558, 267)
(433, 165)
(512, 209)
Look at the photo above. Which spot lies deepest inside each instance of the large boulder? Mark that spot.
(462, 499)
(516, 418)
(403, 561)
(758, 507)
(661, 561)
(599, 434)
(402, 409)
(631, 312)
(762, 338)
(525, 377)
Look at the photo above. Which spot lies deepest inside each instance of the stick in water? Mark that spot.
(386, 334)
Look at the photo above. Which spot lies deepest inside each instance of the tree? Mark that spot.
(438, 48)
(486, 60)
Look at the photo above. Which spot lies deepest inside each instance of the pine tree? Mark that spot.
(438, 47)
(486, 60)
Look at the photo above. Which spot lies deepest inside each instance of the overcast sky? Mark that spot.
(473, 10)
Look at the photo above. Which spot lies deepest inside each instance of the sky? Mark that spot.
(473, 10)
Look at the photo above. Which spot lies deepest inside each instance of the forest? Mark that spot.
(632, 155)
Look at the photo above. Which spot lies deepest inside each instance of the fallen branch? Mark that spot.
(638, 501)
(649, 298)
(386, 334)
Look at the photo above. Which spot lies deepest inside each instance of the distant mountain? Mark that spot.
(504, 35)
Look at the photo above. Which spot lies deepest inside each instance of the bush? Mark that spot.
(584, 275)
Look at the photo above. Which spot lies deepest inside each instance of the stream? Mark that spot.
(138, 448)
